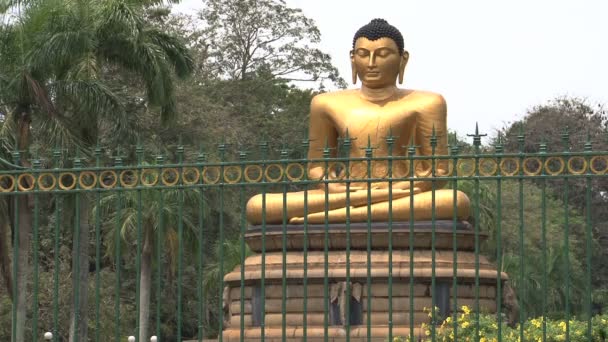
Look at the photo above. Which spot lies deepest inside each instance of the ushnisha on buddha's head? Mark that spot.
(378, 56)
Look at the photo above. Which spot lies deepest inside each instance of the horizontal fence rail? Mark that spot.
(246, 246)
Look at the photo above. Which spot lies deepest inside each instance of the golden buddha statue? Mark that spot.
(368, 115)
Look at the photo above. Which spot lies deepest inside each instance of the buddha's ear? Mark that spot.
(352, 66)
(404, 58)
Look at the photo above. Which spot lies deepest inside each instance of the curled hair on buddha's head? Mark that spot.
(380, 28)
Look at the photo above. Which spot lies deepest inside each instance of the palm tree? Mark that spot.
(145, 207)
(53, 57)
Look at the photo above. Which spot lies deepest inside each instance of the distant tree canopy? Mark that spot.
(568, 124)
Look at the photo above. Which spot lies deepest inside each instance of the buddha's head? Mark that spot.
(378, 57)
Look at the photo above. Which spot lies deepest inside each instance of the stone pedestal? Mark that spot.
(325, 304)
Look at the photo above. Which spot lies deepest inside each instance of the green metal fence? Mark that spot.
(181, 217)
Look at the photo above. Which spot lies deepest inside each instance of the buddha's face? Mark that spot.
(378, 62)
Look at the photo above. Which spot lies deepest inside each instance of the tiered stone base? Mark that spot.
(319, 304)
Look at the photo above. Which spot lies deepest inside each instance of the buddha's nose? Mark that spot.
(372, 60)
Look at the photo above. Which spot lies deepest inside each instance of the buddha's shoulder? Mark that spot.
(329, 98)
(424, 97)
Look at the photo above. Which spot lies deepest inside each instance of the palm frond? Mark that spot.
(176, 51)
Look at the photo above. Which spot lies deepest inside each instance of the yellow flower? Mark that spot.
(465, 324)
(562, 325)
(536, 323)
(427, 333)
(483, 339)
(466, 309)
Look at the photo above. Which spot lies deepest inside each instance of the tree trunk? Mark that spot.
(5, 261)
(145, 280)
(80, 276)
(24, 228)
(23, 266)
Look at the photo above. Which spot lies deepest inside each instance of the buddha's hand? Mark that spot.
(398, 186)
(333, 188)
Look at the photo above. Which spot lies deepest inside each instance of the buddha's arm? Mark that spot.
(432, 114)
(322, 133)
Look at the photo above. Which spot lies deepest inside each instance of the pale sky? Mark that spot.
(491, 60)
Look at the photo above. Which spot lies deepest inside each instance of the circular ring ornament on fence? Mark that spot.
(532, 172)
(300, 172)
(190, 175)
(401, 168)
(380, 169)
(8, 188)
(31, 180)
(440, 172)
(594, 169)
(271, 167)
(232, 174)
(488, 167)
(41, 185)
(104, 175)
(339, 168)
(423, 168)
(149, 177)
(466, 167)
(125, 181)
(559, 170)
(253, 179)
(358, 169)
(571, 167)
(82, 180)
(211, 174)
(505, 170)
(69, 186)
(169, 176)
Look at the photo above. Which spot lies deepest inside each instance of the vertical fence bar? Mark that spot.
(369, 158)
(433, 143)
(346, 143)
(139, 153)
(58, 209)
(117, 255)
(159, 244)
(222, 152)
(77, 246)
(36, 243)
(520, 141)
(477, 145)
(180, 236)
(588, 234)
(390, 140)
(16, 239)
(284, 156)
(199, 274)
(242, 159)
(411, 153)
(499, 151)
(264, 154)
(305, 147)
(454, 152)
(326, 156)
(97, 246)
(543, 189)
(566, 143)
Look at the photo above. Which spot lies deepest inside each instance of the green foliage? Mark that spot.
(533, 329)
(531, 288)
